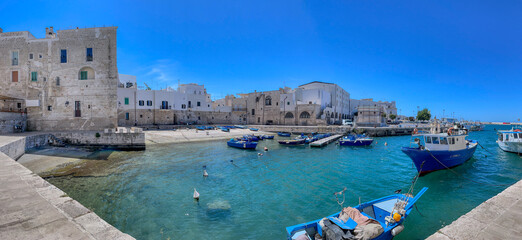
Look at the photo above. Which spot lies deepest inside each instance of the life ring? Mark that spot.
(415, 131)
(518, 130)
(449, 131)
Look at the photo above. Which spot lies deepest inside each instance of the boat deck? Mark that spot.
(500, 217)
(325, 141)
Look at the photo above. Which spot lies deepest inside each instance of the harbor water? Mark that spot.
(148, 194)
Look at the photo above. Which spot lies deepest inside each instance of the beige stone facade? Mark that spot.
(66, 81)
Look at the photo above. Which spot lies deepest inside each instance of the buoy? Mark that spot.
(385, 144)
(231, 161)
(396, 217)
(259, 154)
(205, 173)
(196, 194)
(266, 149)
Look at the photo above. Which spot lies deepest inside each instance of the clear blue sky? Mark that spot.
(461, 56)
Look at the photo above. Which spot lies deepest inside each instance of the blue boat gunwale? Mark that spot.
(291, 230)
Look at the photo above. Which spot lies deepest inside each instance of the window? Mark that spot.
(14, 58)
(428, 140)
(515, 135)
(444, 141)
(190, 103)
(253, 112)
(57, 81)
(88, 55)
(304, 115)
(164, 105)
(14, 76)
(127, 116)
(287, 103)
(40, 56)
(451, 140)
(507, 137)
(77, 109)
(141, 116)
(83, 75)
(141, 102)
(126, 101)
(49, 108)
(149, 103)
(268, 101)
(30, 56)
(183, 106)
(63, 56)
(435, 140)
(34, 76)
(199, 104)
(19, 105)
(289, 115)
(258, 119)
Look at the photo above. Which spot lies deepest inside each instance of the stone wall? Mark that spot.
(118, 140)
(8, 121)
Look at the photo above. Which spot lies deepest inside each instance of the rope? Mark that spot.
(453, 171)
(484, 148)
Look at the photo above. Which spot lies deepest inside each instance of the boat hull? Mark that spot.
(291, 142)
(242, 145)
(283, 134)
(425, 162)
(364, 142)
(514, 147)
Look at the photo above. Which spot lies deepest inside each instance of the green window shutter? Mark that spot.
(126, 101)
(83, 75)
(34, 76)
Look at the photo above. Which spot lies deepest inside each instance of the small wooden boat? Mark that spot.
(390, 212)
(283, 134)
(201, 128)
(242, 144)
(224, 129)
(254, 129)
(240, 126)
(267, 136)
(292, 142)
(355, 140)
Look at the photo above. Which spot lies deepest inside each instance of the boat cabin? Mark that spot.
(443, 141)
(510, 136)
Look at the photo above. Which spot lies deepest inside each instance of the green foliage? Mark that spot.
(392, 116)
(424, 115)
(383, 115)
(97, 135)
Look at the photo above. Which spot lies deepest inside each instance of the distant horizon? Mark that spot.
(453, 57)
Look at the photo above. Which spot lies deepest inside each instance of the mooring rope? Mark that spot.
(484, 148)
(453, 171)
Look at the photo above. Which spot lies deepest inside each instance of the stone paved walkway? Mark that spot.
(31, 208)
(500, 217)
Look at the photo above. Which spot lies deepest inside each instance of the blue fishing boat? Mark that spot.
(201, 128)
(209, 128)
(240, 126)
(292, 142)
(242, 144)
(385, 214)
(283, 134)
(224, 129)
(268, 137)
(435, 151)
(254, 129)
(252, 138)
(355, 140)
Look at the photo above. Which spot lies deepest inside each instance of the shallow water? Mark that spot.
(149, 195)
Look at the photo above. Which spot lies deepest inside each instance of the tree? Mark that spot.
(424, 115)
(383, 115)
(392, 116)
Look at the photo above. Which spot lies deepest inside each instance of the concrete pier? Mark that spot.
(32, 208)
(500, 217)
(325, 141)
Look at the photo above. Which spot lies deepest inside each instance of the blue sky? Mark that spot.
(461, 56)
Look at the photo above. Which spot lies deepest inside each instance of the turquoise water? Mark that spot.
(150, 194)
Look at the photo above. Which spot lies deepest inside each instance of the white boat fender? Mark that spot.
(196, 194)
(205, 173)
(397, 230)
(259, 154)
(266, 149)
(385, 144)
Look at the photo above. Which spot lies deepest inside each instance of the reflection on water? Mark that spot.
(149, 194)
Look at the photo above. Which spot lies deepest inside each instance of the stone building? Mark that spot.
(370, 116)
(65, 81)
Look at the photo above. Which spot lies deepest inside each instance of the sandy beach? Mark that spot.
(193, 135)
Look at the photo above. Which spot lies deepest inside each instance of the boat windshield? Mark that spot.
(444, 140)
(435, 140)
(428, 140)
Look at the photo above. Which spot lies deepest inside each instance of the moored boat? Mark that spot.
(242, 144)
(384, 215)
(355, 140)
(254, 129)
(436, 151)
(292, 142)
(510, 140)
(283, 134)
(224, 129)
(267, 136)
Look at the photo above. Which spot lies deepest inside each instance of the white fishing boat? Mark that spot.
(510, 140)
